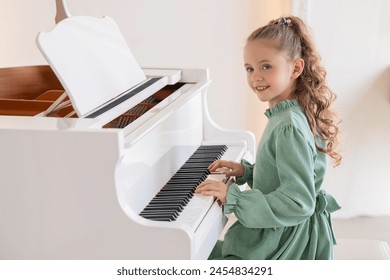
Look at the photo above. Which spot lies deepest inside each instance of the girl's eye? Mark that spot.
(249, 69)
(265, 67)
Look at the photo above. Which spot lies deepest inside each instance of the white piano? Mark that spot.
(90, 142)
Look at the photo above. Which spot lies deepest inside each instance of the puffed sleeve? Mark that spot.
(293, 201)
(248, 174)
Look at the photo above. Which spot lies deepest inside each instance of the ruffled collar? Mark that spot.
(281, 106)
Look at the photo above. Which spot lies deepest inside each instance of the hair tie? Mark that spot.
(283, 21)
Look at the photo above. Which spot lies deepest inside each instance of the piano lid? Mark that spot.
(91, 59)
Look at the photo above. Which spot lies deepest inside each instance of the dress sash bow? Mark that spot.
(326, 204)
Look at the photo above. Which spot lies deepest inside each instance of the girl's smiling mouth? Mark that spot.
(261, 88)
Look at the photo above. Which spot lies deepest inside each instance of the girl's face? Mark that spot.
(269, 73)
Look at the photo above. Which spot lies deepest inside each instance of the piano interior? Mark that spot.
(30, 90)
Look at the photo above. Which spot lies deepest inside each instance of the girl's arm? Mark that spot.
(242, 171)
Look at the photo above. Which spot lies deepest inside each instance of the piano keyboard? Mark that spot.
(177, 193)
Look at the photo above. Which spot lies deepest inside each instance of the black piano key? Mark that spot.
(178, 187)
(166, 200)
(159, 217)
(174, 194)
(183, 184)
(165, 213)
(186, 179)
(191, 170)
(177, 182)
(163, 206)
(189, 175)
(171, 199)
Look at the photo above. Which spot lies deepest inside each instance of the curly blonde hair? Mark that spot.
(312, 92)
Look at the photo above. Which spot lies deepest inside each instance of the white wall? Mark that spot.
(353, 37)
(169, 33)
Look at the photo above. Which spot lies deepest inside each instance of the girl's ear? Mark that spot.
(299, 64)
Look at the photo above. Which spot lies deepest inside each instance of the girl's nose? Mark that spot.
(257, 77)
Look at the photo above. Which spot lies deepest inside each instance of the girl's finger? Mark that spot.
(204, 185)
(215, 165)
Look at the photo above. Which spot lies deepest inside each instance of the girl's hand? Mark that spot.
(214, 188)
(229, 168)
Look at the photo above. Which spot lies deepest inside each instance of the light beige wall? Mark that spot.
(169, 33)
(20, 22)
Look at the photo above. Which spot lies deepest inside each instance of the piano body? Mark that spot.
(77, 169)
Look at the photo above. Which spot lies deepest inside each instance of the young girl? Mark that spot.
(285, 214)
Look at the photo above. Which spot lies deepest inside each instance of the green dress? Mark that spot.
(285, 214)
